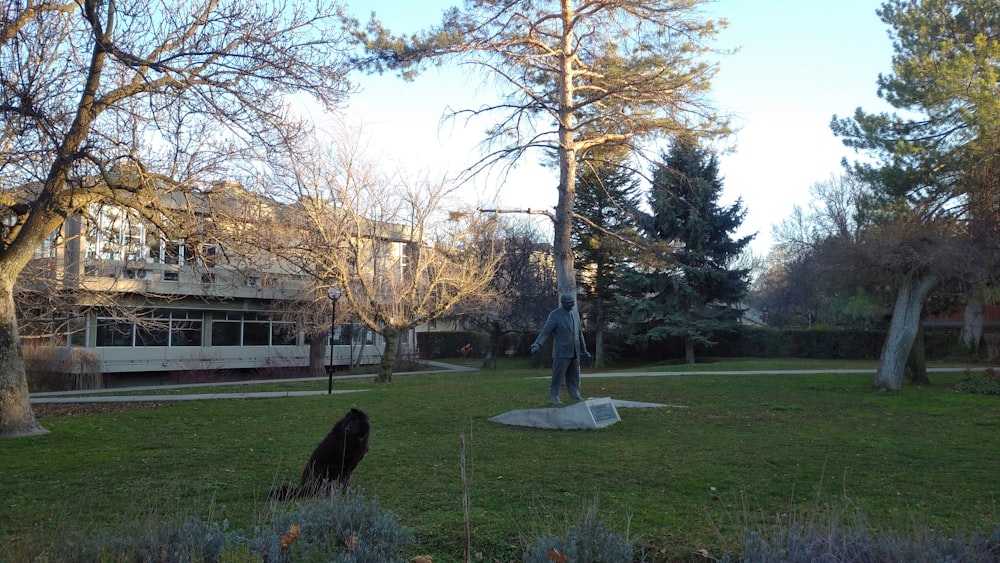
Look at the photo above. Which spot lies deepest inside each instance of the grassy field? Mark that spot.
(735, 451)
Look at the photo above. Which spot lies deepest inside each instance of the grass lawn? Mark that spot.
(739, 451)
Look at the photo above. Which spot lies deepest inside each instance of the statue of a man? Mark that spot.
(568, 347)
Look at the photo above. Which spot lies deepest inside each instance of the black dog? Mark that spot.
(333, 460)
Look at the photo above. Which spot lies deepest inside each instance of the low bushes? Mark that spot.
(804, 544)
(347, 528)
(747, 342)
(985, 383)
(61, 369)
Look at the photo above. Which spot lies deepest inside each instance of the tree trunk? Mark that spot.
(916, 362)
(317, 353)
(492, 350)
(903, 329)
(599, 333)
(16, 416)
(688, 349)
(972, 328)
(385, 367)
(562, 244)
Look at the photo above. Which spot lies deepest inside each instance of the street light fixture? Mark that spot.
(334, 293)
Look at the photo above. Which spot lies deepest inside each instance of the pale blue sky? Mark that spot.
(800, 62)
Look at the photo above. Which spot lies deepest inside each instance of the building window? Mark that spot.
(161, 328)
(227, 329)
(256, 330)
(153, 332)
(114, 332)
(185, 328)
(284, 334)
(211, 253)
(116, 234)
(166, 251)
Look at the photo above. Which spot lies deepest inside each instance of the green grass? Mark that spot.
(744, 451)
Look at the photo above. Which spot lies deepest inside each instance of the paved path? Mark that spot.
(114, 395)
(755, 372)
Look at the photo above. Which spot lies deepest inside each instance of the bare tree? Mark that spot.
(129, 101)
(578, 76)
(396, 247)
(521, 285)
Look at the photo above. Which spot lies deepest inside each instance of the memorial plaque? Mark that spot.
(603, 411)
(585, 415)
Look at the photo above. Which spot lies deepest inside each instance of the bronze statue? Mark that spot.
(568, 347)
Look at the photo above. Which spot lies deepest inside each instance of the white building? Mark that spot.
(140, 303)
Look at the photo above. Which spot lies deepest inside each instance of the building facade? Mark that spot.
(110, 284)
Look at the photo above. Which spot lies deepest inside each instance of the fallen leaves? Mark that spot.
(351, 542)
(288, 538)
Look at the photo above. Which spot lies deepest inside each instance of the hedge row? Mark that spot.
(745, 342)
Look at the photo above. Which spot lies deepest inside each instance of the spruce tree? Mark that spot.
(691, 293)
(606, 201)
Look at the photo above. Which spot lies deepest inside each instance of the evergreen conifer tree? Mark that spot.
(607, 199)
(691, 293)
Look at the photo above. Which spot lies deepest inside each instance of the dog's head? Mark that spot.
(354, 423)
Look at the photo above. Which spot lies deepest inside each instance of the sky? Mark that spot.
(798, 63)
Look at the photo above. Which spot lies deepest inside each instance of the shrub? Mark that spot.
(446, 344)
(342, 529)
(804, 544)
(61, 369)
(589, 541)
(987, 383)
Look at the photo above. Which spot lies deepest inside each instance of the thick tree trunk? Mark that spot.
(903, 329)
(492, 350)
(16, 416)
(388, 363)
(916, 362)
(562, 245)
(688, 350)
(318, 356)
(972, 327)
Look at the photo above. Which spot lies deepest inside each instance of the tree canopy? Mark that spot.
(575, 76)
(696, 292)
(936, 161)
(129, 101)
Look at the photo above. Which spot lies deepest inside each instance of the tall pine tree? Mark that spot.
(692, 293)
(607, 199)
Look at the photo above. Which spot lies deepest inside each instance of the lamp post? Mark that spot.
(333, 292)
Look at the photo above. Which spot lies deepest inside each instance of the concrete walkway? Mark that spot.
(114, 395)
(754, 372)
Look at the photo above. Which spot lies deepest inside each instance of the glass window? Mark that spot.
(185, 333)
(154, 332)
(256, 333)
(173, 252)
(283, 334)
(114, 332)
(226, 330)
(133, 239)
